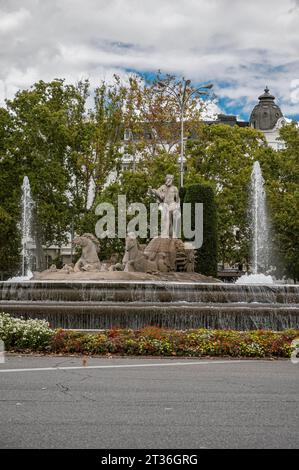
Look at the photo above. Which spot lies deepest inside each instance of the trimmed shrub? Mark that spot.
(182, 194)
(206, 256)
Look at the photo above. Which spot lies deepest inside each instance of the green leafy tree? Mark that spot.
(47, 133)
(222, 156)
(152, 116)
(9, 194)
(281, 173)
(39, 145)
(205, 256)
(9, 254)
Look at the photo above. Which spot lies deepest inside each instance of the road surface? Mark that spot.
(57, 402)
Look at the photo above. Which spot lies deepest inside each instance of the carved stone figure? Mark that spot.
(168, 196)
(68, 268)
(165, 246)
(52, 268)
(162, 257)
(177, 255)
(135, 259)
(89, 260)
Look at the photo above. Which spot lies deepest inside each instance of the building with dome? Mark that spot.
(267, 117)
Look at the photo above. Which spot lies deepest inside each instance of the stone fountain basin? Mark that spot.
(122, 276)
(96, 304)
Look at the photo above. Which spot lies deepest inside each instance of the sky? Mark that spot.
(239, 45)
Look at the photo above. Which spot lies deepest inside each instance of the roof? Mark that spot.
(266, 113)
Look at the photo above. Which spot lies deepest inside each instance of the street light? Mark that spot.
(182, 99)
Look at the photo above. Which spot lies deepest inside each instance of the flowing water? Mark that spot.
(105, 304)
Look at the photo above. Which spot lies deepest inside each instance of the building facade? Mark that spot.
(267, 117)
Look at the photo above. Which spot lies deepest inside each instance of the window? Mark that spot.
(126, 166)
(127, 134)
(280, 146)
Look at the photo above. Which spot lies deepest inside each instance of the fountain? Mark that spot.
(26, 227)
(26, 232)
(259, 224)
(150, 290)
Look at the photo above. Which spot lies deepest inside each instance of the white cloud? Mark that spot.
(241, 46)
(10, 21)
(211, 111)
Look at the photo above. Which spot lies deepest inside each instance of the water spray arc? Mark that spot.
(26, 227)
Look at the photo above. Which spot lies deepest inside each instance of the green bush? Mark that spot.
(182, 194)
(206, 256)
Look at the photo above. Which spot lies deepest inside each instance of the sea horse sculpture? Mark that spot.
(89, 260)
(135, 259)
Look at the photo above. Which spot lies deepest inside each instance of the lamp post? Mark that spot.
(182, 92)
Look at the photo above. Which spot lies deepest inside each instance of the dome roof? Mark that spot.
(266, 113)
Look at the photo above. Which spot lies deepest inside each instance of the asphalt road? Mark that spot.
(148, 403)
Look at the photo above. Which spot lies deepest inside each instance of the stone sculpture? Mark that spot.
(168, 197)
(89, 260)
(135, 259)
(163, 255)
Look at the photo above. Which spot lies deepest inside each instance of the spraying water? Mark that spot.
(259, 222)
(26, 227)
(26, 232)
(27, 205)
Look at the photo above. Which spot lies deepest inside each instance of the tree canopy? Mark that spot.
(69, 141)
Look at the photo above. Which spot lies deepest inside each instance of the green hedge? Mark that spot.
(182, 194)
(206, 256)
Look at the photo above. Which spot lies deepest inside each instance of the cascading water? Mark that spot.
(128, 304)
(259, 222)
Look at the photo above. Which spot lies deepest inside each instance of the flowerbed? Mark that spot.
(36, 335)
(20, 334)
